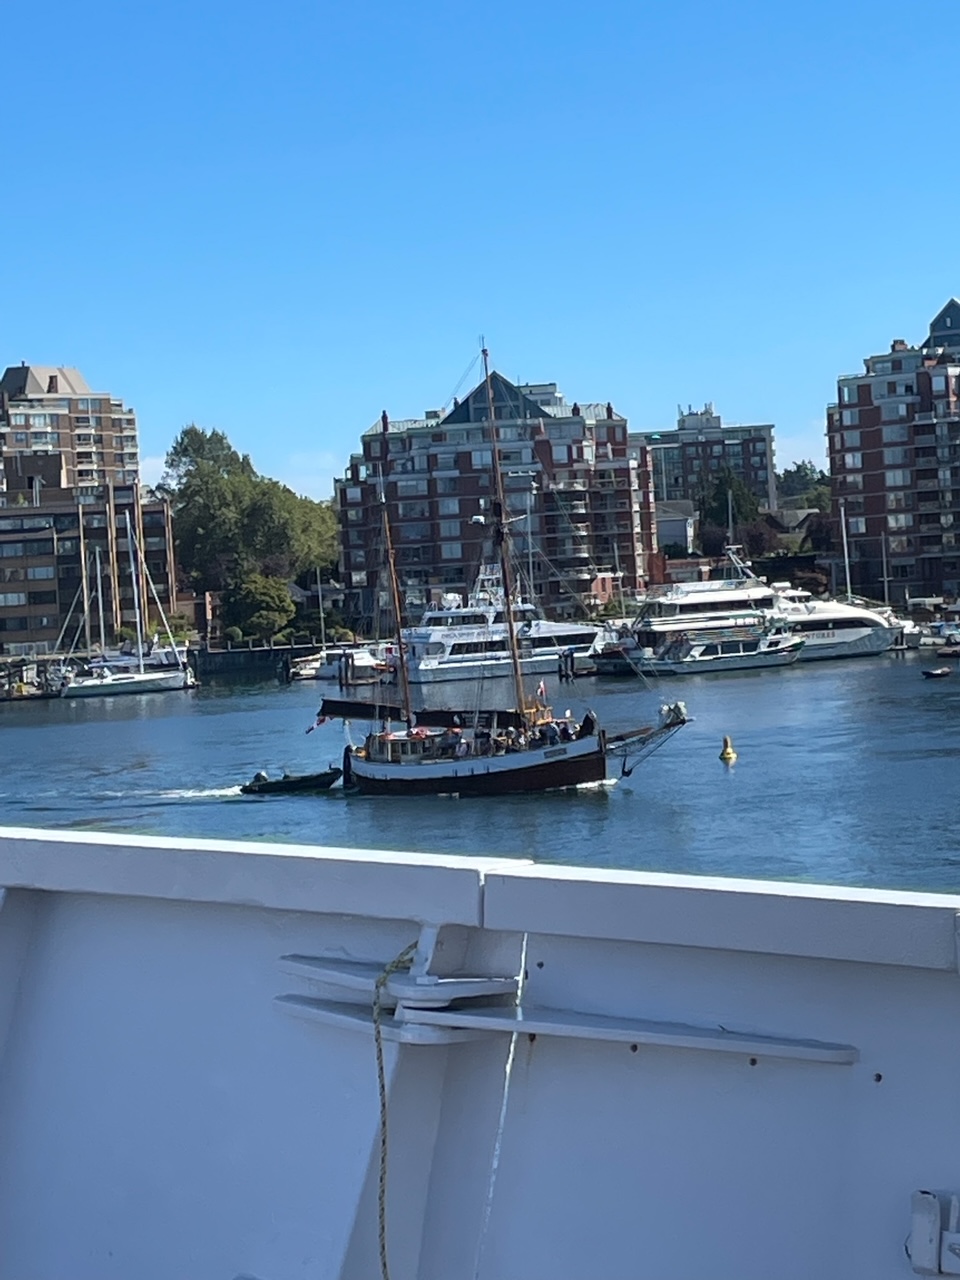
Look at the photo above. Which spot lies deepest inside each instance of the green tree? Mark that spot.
(714, 506)
(260, 606)
(818, 535)
(229, 522)
(801, 479)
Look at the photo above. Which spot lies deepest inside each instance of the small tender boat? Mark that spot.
(937, 673)
(291, 784)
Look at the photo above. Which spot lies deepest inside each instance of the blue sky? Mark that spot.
(279, 220)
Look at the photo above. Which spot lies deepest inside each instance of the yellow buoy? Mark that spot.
(728, 755)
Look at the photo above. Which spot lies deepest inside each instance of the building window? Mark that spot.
(848, 393)
(449, 528)
(900, 520)
(850, 417)
(448, 506)
(853, 461)
(938, 384)
(353, 495)
(481, 458)
(896, 479)
(451, 551)
(8, 598)
(891, 457)
(900, 545)
(899, 500)
(851, 439)
(856, 524)
(38, 572)
(894, 435)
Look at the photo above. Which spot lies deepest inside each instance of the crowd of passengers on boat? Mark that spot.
(452, 743)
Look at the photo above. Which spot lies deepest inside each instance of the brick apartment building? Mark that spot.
(687, 460)
(581, 509)
(894, 448)
(69, 477)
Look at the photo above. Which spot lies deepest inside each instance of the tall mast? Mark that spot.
(846, 545)
(323, 630)
(103, 640)
(395, 598)
(500, 542)
(136, 592)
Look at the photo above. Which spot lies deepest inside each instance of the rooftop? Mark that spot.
(23, 380)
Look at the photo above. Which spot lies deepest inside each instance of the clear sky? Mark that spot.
(279, 219)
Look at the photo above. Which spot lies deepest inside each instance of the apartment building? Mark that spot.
(581, 510)
(69, 482)
(894, 448)
(45, 409)
(687, 460)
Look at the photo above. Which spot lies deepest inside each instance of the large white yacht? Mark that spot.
(829, 628)
(457, 641)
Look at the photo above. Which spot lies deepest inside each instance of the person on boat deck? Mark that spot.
(463, 748)
(551, 734)
(564, 732)
(588, 727)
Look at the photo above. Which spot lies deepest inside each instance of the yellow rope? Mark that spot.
(402, 961)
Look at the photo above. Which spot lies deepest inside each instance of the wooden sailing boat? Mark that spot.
(491, 753)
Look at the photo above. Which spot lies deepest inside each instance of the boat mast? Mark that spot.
(846, 546)
(323, 630)
(136, 592)
(103, 641)
(500, 542)
(395, 599)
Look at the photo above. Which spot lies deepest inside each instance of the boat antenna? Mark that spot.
(395, 600)
(500, 542)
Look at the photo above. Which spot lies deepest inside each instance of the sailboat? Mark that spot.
(490, 753)
(106, 682)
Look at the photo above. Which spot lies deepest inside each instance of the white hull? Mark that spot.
(840, 644)
(112, 684)
(429, 672)
(722, 662)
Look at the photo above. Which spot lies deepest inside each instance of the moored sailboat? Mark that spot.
(524, 749)
(103, 681)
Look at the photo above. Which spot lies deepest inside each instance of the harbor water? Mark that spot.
(846, 774)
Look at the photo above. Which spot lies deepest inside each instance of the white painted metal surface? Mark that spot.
(708, 1078)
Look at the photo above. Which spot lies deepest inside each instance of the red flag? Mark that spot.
(541, 690)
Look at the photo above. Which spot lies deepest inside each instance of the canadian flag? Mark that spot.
(541, 690)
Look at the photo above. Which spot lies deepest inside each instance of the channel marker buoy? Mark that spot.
(728, 755)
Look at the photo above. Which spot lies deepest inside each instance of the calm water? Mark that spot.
(847, 774)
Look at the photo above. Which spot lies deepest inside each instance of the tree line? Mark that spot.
(242, 534)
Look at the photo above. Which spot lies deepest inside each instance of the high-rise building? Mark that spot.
(581, 510)
(69, 483)
(894, 447)
(46, 410)
(687, 460)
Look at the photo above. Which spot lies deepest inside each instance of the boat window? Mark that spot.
(730, 646)
(708, 651)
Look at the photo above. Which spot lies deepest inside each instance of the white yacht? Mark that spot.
(830, 628)
(737, 642)
(457, 641)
